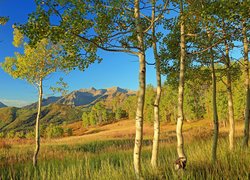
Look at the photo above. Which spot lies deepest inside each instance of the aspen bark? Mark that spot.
(214, 103)
(229, 93)
(141, 93)
(180, 141)
(37, 129)
(246, 70)
(230, 100)
(215, 112)
(154, 157)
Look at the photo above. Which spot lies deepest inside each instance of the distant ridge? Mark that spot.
(57, 110)
(86, 97)
(45, 102)
(2, 105)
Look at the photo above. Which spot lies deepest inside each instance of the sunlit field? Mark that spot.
(113, 159)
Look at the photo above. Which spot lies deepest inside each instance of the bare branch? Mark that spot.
(204, 50)
(191, 35)
(105, 48)
(158, 17)
(223, 82)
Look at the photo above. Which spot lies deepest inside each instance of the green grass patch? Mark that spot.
(113, 159)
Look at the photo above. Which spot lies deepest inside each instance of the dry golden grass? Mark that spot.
(125, 129)
(108, 150)
(4, 145)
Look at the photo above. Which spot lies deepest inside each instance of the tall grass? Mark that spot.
(113, 160)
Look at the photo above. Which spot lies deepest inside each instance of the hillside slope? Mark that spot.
(23, 119)
(125, 129)
(45, 102)
(57, 110)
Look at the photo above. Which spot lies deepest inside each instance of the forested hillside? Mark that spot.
(68, 109)
(22, 120)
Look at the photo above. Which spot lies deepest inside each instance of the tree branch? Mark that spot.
(204, 50)
(158, 17)
(105, 48)
(191, 35)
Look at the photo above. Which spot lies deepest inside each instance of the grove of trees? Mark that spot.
(194, 45)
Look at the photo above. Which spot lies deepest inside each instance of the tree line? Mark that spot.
(187, 38)
(101, 114)
(196, 106)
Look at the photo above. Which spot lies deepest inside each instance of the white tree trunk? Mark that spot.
(180, 141)
(246, 67)
(215, 112)
(230, 100)
(214, 102)
(141, 93)
(154, 158)
(37, 131)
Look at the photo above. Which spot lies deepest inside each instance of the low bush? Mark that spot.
(20, 134)
(54, 131)
(2, 135)
(30, 135)
(10, 134)
(69, 131)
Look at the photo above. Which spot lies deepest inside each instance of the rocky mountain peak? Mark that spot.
(117, 89)
(86, 97)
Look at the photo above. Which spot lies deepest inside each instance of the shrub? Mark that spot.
(69, 131)
(20, 134)
(10, 134)
(85, 119)
(42, 130)
(120, 113)
(30, 135)
(54, 131)
(2, 135)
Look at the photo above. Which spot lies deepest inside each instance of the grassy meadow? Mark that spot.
(112, 158)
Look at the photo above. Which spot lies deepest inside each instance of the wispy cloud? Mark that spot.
(15, 103)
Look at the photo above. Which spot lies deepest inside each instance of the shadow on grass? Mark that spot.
(100, 146)
(94, 131)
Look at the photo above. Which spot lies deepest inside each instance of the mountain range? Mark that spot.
(57, 110)
(86, 97)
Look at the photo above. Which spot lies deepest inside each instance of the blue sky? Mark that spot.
(116, 69)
